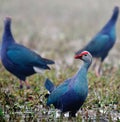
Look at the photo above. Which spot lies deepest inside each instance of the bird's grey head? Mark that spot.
(116, 9)
(7, 20)
(85, 56)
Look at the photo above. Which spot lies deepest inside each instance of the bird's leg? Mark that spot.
(27, 84)
(95, 63)
(21, 84)
(98, 70)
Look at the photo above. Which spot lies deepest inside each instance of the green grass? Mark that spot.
(103, 101)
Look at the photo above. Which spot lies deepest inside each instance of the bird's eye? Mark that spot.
(85, 55)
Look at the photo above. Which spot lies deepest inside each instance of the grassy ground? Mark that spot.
(56, 29)
(102, 104)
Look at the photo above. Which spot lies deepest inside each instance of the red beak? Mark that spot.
(78, 56)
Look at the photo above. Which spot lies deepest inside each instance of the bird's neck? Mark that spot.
(81, 82)
(113, 19)
(82, 72)
(7, 35)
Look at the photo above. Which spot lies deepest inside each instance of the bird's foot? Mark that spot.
(27, 85)
(21, 86)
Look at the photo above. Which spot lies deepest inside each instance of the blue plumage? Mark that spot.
(104, 40)
(18, 59)
(0, 51)
(71, 94)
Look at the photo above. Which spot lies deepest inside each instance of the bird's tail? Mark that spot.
(48, 61)
(49, 85)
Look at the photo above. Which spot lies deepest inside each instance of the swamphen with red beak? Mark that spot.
(101, 44)
(71, 94)
(19, 60)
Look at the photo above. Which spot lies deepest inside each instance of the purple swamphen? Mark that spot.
(0, 51)
(71, 94)
(18, 59)
(104, 40)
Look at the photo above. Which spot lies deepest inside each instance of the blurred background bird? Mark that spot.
(71, 94)
(103, 41)
(0, 51)
(18, 59)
